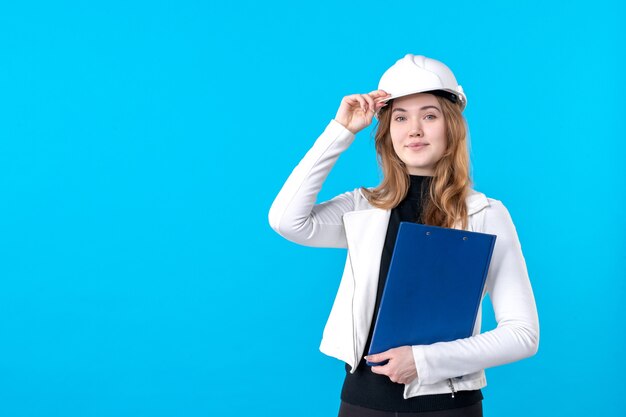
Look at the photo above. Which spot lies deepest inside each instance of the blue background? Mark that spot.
(141, 146)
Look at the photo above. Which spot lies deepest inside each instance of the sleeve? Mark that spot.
(294, 214)
(517, 333)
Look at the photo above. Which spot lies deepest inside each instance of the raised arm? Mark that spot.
(294, 214)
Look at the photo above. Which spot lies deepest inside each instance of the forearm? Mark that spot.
(293, 213)
(509, 342)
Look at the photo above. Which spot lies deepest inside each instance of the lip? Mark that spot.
(417, 145)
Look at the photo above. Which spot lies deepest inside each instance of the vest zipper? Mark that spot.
(451, 386)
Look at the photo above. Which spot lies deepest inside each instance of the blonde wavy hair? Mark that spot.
(451, 182)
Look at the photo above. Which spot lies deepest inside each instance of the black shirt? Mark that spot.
(367, 389)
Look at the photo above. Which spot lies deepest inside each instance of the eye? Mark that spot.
(399, 117)
(431, 115)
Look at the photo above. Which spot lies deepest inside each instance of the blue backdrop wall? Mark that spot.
(141, 146)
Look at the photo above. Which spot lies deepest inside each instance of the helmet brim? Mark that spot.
(454, 97)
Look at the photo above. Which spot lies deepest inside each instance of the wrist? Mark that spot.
(345, 126)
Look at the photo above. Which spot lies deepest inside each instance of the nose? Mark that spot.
(416, 130)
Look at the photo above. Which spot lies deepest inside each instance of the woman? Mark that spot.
(422, 149)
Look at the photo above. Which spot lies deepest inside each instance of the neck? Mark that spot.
(418, 186)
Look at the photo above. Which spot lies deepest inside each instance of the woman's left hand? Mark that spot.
(401, 366)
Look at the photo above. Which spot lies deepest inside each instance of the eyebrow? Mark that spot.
(423, 108)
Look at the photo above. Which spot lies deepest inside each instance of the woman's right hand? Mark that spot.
(357, 110)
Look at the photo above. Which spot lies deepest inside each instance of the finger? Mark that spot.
(373, 112)
(379, 93)
(370, 102)
(352, 100)
(355, 102)
(381, 104)
(381, 370)
(382, 99)
(378, 357)
(361, 101)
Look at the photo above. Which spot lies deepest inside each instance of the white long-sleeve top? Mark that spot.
(350, 221)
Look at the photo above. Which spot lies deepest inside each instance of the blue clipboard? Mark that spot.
(434, 287)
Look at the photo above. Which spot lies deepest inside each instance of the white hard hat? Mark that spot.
(416, 74)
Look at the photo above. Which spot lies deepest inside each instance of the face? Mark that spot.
(418, 132)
